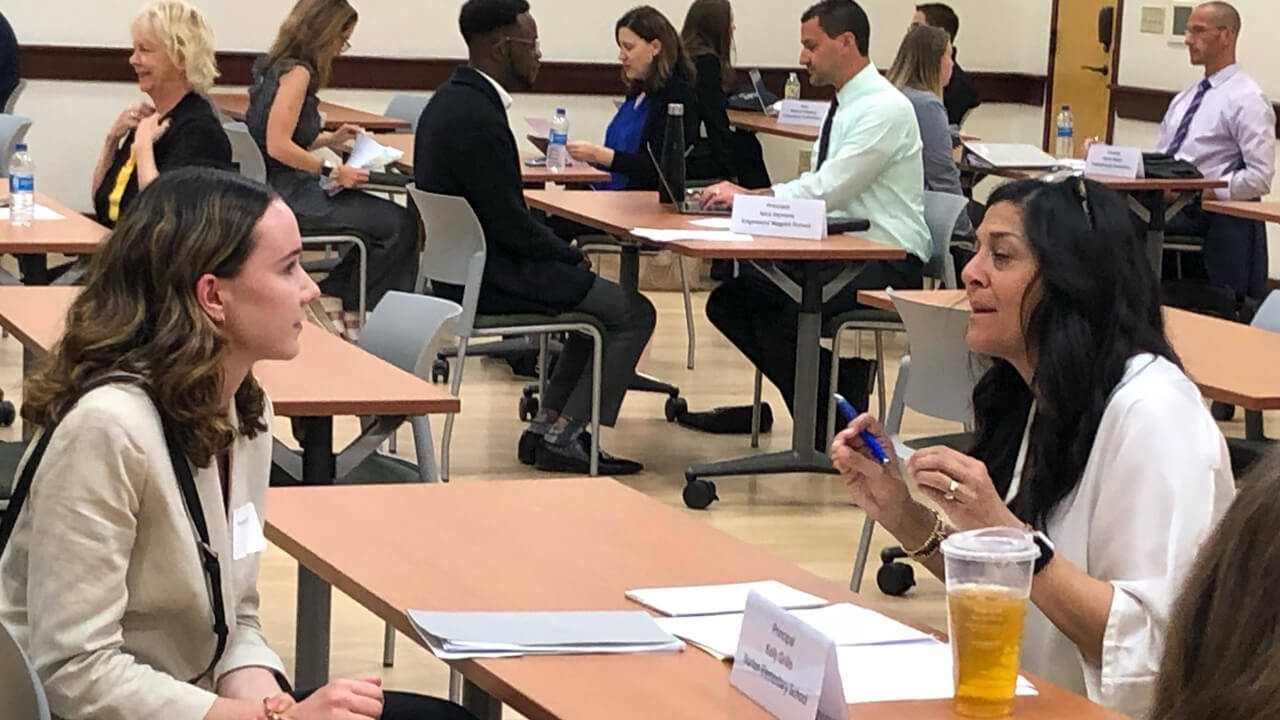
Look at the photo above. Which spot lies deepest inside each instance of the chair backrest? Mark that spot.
(941, 211)
(12, 102)
(405, 329)
(1268, 315)
(942, 369)
(407, 107)
(454, 251)
(13, 128)
(23, 695)
(245, 152)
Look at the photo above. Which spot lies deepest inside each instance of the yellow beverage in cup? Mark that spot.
(985, 623)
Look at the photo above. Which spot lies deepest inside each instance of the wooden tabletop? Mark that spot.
(619, 212)
(1114, 182)
(576, 174)
(74, 234)
(769, 125)
(1229, 362)
(559, 544)
(330, 376)
(1264, 211)
(236, 105)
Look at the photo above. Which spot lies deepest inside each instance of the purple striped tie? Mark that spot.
(1181, 135)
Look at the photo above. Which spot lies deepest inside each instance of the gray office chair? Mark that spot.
(407, 107)
(23, 695)
(12, 102)
(13, 129)
(935, 379)
(246, 154)
(455, 254)
(406, 330)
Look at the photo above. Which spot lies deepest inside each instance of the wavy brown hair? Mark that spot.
(138, 312)
(672, 59)
(708, 30)
(1222, 652)
(312, 33)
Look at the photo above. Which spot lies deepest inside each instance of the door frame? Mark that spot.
(1049, 109)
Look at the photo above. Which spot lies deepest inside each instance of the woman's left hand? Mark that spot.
(961, 486)
(149, 130)
(340, 138)
(589, 152)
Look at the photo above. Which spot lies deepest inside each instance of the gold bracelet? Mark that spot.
(931, 545)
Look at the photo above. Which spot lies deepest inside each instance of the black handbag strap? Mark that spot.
(190, 499)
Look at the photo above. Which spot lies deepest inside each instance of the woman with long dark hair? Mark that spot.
(708, 37)
(659, 73)
(1088, 433)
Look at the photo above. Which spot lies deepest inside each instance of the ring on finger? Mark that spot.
(951, 490)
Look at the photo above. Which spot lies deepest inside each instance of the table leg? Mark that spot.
(480, 703)
(801, 457)
(311, 654)
(1253, 425)
(1154, 203)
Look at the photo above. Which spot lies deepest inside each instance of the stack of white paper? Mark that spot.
(660, 235)
(369, 153)
(844, 623)
(912, 671)
(1009, 155)
(718, 599)
(458, 635)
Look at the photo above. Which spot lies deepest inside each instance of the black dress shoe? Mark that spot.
(527, 447)
(575, 457)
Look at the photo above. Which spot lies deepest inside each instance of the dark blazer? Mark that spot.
(959, 96)
(713, 155)
(464, 147)
(638, 166)
(9, 74)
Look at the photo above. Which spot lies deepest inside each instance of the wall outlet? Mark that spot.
(1153, 20)
(806, 161)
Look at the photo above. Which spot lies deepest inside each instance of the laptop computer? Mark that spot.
(689, 200)
(757, 82)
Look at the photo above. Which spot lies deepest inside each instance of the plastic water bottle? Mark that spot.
(1066, 129)
(792, 90)
(557, 141)
(22, 187)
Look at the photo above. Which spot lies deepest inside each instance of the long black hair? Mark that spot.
(1093, 304)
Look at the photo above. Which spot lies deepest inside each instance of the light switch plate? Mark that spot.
(1153, 20)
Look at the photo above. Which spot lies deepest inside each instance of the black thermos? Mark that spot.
(672, 158)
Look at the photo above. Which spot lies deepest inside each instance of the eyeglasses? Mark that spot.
(1197, 30)
(537, 46)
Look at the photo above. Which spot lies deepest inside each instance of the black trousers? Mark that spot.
(411, 706)
(760, 320)
(628, 318)
(390, 234)
(1235, 249)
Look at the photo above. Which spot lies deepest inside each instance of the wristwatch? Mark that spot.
(1043, 542)
(328, 169)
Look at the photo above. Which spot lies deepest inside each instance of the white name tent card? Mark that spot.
(803, 112)
(1117, 160)
(797, 218)
(717, 599)
(786, 666)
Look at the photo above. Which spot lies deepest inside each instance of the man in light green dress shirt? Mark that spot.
(866, 164)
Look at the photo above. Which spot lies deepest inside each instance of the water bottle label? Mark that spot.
(1064, 131)
(559, 138)
(22, 183)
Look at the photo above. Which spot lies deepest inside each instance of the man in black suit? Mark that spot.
(959, 97)
(465, 147)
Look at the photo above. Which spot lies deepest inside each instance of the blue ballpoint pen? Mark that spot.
(846, 414)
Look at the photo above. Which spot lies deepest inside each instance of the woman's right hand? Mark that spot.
(875, 487)
(343, 698)
(129, 119)
(349, 176)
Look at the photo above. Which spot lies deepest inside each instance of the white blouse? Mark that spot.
(1155, 484)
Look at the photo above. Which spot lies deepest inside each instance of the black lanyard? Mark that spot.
(190, 499)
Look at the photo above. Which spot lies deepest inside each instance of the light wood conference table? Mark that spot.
(769, 125)
(559, 544)
(330, 376)
(620, 213)
(1229, 362)
(575, 174)
(235, 105)
(72, 234)
(1264, 211)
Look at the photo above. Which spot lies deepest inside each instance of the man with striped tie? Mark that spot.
(1226, 126)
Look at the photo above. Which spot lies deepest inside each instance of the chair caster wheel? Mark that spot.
(528, 406)
(894, 578)
(698, 494)
(675, 407)
(7, 413)
(440, 371)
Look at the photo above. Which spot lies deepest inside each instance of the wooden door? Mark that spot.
(1080, 68)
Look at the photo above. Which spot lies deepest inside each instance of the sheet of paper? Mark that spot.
(41, 213)
(913, 671)
(844, 623)
(716, 599)
(715, 223)
(662, 236)
(539, 126)
(368, 153)
(1011, 155)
